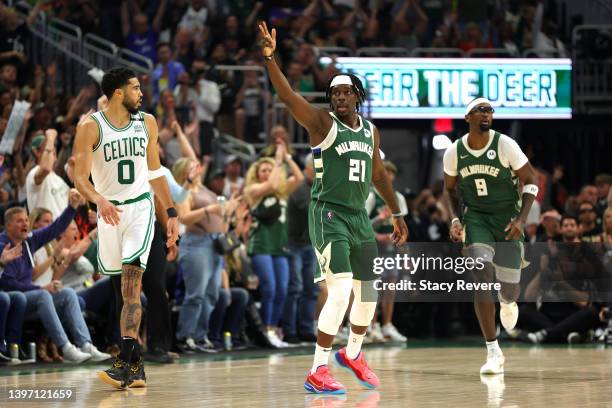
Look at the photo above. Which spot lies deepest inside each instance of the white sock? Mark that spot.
(321, 357)
(354, 345)
(493, 347)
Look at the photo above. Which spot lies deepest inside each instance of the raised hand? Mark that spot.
(268, 40)
(75, 199)
(10, 253)
(176, 128)
(281, 153)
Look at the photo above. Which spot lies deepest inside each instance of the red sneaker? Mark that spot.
(322, 382)
(359, 367)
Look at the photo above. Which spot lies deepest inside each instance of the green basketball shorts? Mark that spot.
(485, 237)
(343, 241)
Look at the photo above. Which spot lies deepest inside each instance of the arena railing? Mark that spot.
(382, 52)
(542, 53)
(136, 61)
(490, 53)
(224, 144)
(331, 51)
(53, 37)
(437, 52)
(592, 68)
(234, 144)
(54, 40)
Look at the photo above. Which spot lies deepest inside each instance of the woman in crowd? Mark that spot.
(201, 265)
(266, 190)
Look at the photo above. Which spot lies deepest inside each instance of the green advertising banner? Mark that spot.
(442, 87)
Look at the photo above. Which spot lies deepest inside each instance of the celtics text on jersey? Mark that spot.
(486, 185)
(119, 167)
(343, 165)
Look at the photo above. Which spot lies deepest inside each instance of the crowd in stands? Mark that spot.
(243, 272)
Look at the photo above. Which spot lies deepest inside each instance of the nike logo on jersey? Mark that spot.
(342, 130)
(463, 157)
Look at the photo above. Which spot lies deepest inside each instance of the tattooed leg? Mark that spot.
(131, 282)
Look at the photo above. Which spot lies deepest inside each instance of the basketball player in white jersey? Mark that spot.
(118, 147)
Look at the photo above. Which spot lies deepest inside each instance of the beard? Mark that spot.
(570, 236)
(484, 128)
(131, 107)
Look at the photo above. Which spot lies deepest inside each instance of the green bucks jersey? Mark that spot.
(386, 226)
(269, 237)
(486, 185)
(343, 165)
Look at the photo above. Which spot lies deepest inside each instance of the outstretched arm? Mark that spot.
(381, 181)
(316, 121)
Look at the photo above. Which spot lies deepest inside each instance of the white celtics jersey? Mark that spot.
(119, 169)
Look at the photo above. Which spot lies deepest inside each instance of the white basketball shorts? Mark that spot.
(130, 241)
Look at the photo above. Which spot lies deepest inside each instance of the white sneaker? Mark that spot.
(274, 340)
(390, 332)
(508, 314)
(74, 355)
(494, 364)
(375, 334)
(96, 355)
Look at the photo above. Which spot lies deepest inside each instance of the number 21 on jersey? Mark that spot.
(357, 170)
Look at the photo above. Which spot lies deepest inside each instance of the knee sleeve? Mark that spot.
(364, 304)
(338, 298)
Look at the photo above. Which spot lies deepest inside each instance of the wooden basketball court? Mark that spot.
(425, 375)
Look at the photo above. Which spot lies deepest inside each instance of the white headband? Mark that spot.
(475, 103)
(341, 80)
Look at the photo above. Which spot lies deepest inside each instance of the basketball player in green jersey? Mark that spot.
(485, 166)
(346, 156)
(118, 147)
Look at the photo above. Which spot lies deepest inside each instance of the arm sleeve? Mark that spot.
(179, 194)
(511, 153)
(370, 202)
(42, 236)
(450, 160)
(401, 202)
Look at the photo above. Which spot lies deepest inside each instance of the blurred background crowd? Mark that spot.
(243, 274)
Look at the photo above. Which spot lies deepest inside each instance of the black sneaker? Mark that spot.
(137, 375)
(206, 346)
(158, 355)
(187, 346)
(117, 376)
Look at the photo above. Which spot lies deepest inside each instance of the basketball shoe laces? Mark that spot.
(326, 377)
